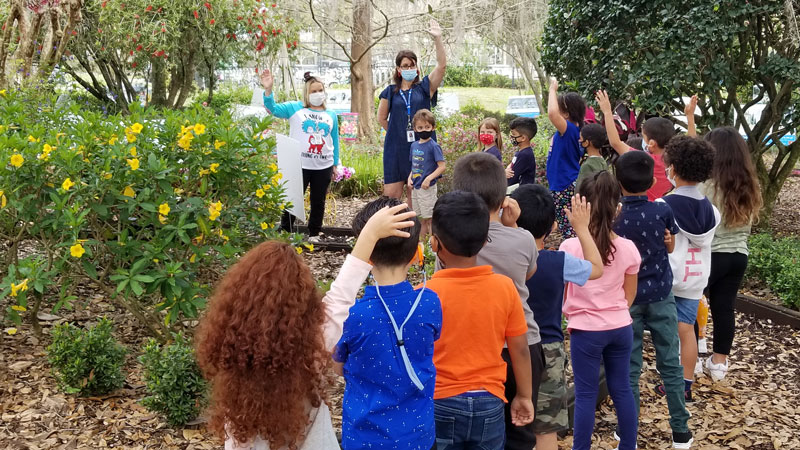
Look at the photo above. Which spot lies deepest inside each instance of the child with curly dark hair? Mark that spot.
(689, 162)
(265, 342)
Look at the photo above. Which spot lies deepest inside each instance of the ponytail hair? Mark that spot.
(603, 192)
(575, 107)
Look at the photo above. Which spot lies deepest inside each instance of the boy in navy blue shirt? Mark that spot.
(522, 169)
(427, 165)
(546, 296)
(651, 226)
(387, 350)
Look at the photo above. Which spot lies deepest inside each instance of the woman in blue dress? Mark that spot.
(399, 102)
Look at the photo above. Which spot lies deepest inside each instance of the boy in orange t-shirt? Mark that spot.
(481, 311)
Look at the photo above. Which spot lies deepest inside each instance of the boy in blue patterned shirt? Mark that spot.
(650, 225)
(387, 350)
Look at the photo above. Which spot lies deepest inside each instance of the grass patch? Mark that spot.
(367, 162)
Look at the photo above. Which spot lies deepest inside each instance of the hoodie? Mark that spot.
(697, 220)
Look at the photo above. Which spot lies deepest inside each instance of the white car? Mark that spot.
(523, 106)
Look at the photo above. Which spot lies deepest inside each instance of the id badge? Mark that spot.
(410, 136)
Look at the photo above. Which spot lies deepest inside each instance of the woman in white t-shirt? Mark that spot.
(316, 127)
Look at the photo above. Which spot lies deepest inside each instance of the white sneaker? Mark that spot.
(702, 346)
(698, 367)
(717, 371)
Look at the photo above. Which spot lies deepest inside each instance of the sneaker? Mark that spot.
(616, 436)
(662, 392)
(682, 440)
(702, 346)
(698, 367)
(717, 371)
(315, 239)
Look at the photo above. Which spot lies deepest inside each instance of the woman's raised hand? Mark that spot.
(267, 81)
(435, 30)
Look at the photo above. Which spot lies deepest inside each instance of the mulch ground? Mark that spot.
(756, 407)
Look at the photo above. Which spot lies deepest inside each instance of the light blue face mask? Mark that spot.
(409, 74)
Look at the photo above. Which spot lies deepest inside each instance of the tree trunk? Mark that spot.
(187, 86)
(361, 89)
(159, 81)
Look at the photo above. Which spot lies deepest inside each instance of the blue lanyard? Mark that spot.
(408, 104)
(398, 332)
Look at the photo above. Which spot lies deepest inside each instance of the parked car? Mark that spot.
(523, 106)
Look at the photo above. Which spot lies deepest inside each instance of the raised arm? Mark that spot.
(553, 111)
(691, 129)
(279, 110)
(608, 119)
(437, 75)
(579, 217)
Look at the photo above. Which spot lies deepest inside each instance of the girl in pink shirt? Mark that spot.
(265, 342)
(598, 319)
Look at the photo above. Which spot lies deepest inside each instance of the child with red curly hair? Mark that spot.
(265, 342)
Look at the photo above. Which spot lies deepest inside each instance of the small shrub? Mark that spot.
(174, 381)
(87, 361)
(775, 262)
(367, 178)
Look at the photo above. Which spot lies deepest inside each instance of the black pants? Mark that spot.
(522, 437)
(727, 272)
(319, 181)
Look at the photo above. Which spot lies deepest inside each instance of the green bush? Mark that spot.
(86, 361)
(367, 162)
(226, 95)
(174, 381)
(776, 262)
(473, 75)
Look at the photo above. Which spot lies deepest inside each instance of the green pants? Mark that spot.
(661, 318)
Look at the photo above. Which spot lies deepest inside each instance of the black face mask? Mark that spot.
(424, 134)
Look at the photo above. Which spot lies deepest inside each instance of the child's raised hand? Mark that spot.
(389, 222)
(581, 213)
(522, 412)
(267, 80)
(601, 97)
(553, 84)
(691, 106)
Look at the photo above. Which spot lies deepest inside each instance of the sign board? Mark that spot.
(348, 126)
(288, 151)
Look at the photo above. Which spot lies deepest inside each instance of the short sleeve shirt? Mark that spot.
(564, 161)
(494, 151)
(663, 184)
(480, 309)
(382, 408)
(644, 223)
(512, 252)
(600, 304)
(591, 165)
(424, 161)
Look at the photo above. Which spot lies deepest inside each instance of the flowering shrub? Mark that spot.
(344, 173)
(137, 204)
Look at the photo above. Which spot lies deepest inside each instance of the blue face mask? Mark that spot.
(409, 74)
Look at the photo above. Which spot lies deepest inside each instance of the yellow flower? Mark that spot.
(11, 331)
(130, 137)
(204, 172)
(133, 151)
(213, 167)
(163, 209)
(310, 247)
(129, 192)
(185, 130)
(19, 308)
(193, 258)
(107, 176)
(113, 140)
(47, 148)
(199, 128)
(264, 225)
(162, 219)
(273, 167)
(199, 239)
(17, 160)
(186, 141)
(134, 163)
(3, 92)
(32, 139)
(177, 191)
(259, 193)
(214, 210)
(299, 250)
(137, 128)
(17, 288)
(77, 250)
(218, 144)
(3, 201)
(67, 184)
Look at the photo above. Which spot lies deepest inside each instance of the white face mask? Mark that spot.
(316, 98)
(669, 176)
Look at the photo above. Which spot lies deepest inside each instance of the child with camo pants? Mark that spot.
(546, 288)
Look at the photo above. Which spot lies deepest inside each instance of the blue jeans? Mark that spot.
(587, 349)
(469, 422)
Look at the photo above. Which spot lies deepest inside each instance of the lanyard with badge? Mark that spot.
(409, 131)
(398, 332)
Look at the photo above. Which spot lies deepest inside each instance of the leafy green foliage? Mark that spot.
(174, 381)
(367, 180)
(471, 75)
(86, 361)
(776, 262)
